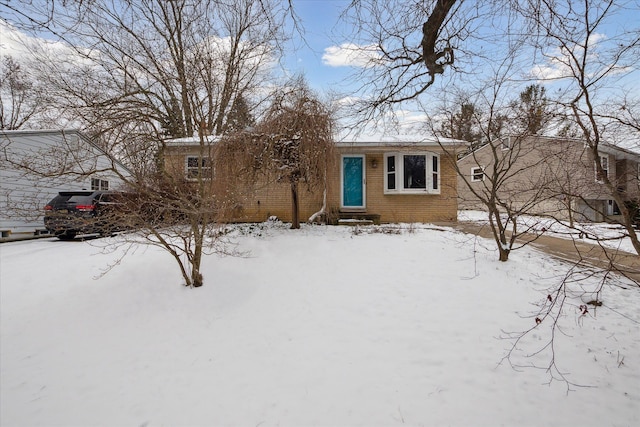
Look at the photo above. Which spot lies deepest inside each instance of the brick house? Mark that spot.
(552, 176)
(384, 180)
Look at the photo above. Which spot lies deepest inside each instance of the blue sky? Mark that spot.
(326, 66)
(320, 19)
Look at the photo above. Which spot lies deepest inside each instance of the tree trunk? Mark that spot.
(570, 211)
(504, 254)
(196, 276)
(295, 220)
(499, 234)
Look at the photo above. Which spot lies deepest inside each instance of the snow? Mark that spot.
(612, 235)
(319, 326)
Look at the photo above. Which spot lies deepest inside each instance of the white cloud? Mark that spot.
(351, 55)
(24, 47)
(12, 41)
(560, 62)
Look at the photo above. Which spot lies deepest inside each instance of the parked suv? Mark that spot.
(85, 212)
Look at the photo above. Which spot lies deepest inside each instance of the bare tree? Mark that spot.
(21, 100)
(139, 74)
(497, 174)
(182, 211)
(407, 46)
(588, 63)
(160, 69)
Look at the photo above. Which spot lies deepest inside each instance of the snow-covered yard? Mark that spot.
(611, 235)
(319, 326)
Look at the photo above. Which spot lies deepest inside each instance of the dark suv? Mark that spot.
(85, 212)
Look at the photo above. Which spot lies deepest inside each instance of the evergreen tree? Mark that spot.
(532, 109)
(239, 117)
(464, 124)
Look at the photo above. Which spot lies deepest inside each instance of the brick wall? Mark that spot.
(266, 199)
(394, 208)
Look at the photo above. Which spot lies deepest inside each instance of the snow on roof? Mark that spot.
(399, 139)
(360, 140)
(192, 140)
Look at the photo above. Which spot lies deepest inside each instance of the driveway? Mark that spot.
(577, 251)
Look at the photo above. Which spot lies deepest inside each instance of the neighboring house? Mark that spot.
(36, 164)
(388, 180)
(551, 176)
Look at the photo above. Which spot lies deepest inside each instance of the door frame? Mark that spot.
(364, 181)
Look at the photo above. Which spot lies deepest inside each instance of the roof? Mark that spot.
(603, 147)
(192, 141)
(401, 142)
(364, 141)
(619, 152)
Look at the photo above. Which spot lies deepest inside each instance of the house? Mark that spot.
(550, 176)
(383, 180)
(36, 164)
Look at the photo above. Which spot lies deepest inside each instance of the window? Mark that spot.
(415, 172)
(196, 165)
(477, 174)
(391, 173)
(411, 173)
(99, 184)
(506, 143)
(604, 162)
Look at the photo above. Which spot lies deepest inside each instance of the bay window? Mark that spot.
(412, 173)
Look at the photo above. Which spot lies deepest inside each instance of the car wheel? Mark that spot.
(68, 235)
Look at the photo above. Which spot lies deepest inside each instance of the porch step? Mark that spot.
(355, 218)
(355, 222)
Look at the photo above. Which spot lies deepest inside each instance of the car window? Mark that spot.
(80, 200)
(59, 201)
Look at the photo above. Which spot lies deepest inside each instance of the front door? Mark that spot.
(353, 182)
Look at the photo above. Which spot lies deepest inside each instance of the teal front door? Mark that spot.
(353, 182)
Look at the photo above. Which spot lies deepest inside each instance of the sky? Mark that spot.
(322, 58)
(320, 54)
(317, 55)
(314, 58)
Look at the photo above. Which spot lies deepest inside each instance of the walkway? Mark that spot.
(576, 251)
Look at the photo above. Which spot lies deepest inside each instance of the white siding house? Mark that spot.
(36, 164)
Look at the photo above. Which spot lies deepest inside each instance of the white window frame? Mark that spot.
(604, 159)
(505, 143)
(189, 169)
(364, 181)
(474, 172)
(99, 184)
(431, 175)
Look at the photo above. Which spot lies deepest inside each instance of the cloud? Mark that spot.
(351, 55)
(560, 63)
(12, 41)
(24, 47)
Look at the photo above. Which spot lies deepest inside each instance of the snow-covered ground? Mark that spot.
(319, 326)
(609, 235)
